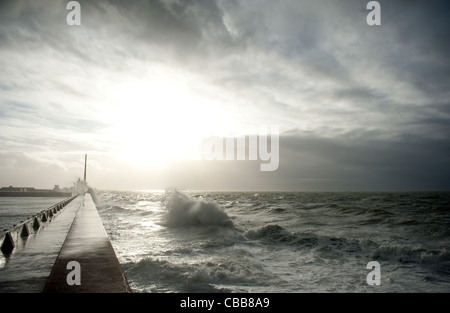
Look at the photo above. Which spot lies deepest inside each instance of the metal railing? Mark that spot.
(18, 235)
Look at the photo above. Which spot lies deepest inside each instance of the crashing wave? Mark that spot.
(185, 211)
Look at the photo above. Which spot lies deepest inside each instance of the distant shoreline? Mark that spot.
(34, 194)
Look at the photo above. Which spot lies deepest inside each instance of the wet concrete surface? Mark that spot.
(30, 264)
(87, 244)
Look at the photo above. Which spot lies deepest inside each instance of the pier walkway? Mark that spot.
(27, 267)
(88, 245)
(45, 262)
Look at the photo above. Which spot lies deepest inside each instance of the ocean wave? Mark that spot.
(411, 254)
(277, 210)
(333, 247)
(117, 209)
(203, 276)
(184, 211)
(230, 270)
(154, 275)
(273, 232)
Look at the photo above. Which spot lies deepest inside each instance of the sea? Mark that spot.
(14, 210)
(176, 241)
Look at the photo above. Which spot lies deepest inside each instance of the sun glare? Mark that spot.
(156, 121)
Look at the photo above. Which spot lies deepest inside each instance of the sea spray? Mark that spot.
(93, 194)
(185, 211)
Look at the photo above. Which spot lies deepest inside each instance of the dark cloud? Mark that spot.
(154, 22)
(368, 105)
(421, 30)
(411, 162)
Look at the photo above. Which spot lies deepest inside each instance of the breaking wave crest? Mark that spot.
(184, 211)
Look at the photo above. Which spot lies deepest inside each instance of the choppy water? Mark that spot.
(194, 241)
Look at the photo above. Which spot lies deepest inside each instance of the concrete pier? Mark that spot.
(18, 235)
(61, 251)
(87, 262)
(26, 262)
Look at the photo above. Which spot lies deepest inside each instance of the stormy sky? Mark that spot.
(139, 83)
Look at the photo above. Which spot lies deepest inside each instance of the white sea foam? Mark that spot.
(184, 211)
